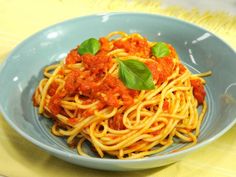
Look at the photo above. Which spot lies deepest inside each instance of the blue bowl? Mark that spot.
(199, 49)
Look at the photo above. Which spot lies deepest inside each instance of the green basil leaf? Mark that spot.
(91, 46)
(160, 49)
(135, 75)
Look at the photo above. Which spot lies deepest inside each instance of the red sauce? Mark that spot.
(111, 90)
(55, 104)
(105, 46)
(161, 69)
(182, 68)
(117, 122)
(165, 106)
(134, 45)
(53, 88)
(73, 57)
(61, 72)
(152, 66)
(198, 90)
(73, 120)
(157, 132)
(71, 81)
(97, 64)
(87, 113)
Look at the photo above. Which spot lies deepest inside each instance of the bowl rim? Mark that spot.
(105, 160)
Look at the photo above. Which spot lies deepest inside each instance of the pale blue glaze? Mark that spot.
(199, 49)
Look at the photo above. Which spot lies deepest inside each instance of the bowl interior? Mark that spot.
(200, 50)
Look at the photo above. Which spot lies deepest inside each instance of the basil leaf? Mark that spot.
(91, 46)
(135, 75)
(160, 49)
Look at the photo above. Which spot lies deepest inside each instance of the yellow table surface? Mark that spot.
(18, 157)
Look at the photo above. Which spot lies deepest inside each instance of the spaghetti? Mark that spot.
(87, 100)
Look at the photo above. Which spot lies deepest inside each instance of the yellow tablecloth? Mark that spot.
(18, 157)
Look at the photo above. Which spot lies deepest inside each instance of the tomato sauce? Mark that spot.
(134, 45)
(161, 69)
(182, 68)
(71, 81)
(105, 46)
(111, 90)
(73, 57)
(97, 64)
(55, 104)
(53, 88)
(117, 122)
(198, 90)
(165, 106)
(73, 120)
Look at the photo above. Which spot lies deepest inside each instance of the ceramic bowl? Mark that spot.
(199, 49)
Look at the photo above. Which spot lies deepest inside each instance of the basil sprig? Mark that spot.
(160, 49)
(135, 75)
(91, 46)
